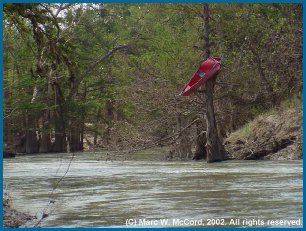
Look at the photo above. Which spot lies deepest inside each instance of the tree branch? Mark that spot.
(174, 136)
(91, 68)
(103, 58)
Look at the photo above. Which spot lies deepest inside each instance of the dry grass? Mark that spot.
(288, 113)
(271, 130)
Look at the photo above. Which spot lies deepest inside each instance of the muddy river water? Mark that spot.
(99, 193)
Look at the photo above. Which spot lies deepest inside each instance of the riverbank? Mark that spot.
(274, 135)
(13, 218)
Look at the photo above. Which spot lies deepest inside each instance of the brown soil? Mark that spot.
(11, 217)
(274, 136)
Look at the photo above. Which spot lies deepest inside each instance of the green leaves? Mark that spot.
(51, 47)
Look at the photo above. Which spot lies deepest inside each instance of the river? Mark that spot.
(99, 193)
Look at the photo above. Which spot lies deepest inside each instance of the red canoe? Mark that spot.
(209, 69)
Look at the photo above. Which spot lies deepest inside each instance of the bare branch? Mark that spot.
(92, 67)
(62, 7)
(103, 58)
(174, 136)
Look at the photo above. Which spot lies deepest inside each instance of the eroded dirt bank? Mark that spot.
(276, 135)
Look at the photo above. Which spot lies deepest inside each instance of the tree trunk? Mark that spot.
(60, 141)
(8, 121)
(182, 147)
(31, 145)
(81, 143)
(96, 127)
(95, 138)
(45, 141)
(109, 115)
(200, 152)
(214, 148)
(75, 137)
(206, 31)
(60, 144)
(31, 142)
(60, 137)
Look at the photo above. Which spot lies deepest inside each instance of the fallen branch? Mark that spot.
(157, 142)
(52, 201)
(178, 133)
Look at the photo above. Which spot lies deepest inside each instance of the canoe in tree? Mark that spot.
(209, 69)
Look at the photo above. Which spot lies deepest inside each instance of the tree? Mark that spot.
(214, 147)
(59, 67)
(114, 71)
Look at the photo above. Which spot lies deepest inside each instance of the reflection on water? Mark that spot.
(104, 193)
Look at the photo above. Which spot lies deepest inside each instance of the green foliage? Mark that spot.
(260, 45)
(292, 102)
(242, 133)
